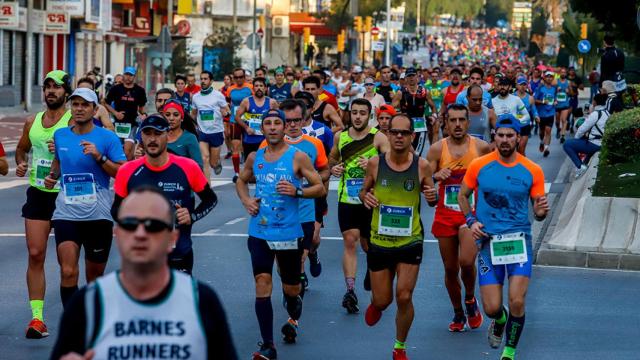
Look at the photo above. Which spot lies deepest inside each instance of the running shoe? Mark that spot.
(266, 352)
(290, 331)
(235, 178)
(372, 315)
(583, 169)
(304, 281)
(545, 153)
(350, 302)
(458, 324)
(400, 354)
(367, 281)
(562, 139)
(558, 133)
(37, 330)
(541, 147)
(315, 267)
(494, 334)
(474, 316)
(228, 156)
(217, 169)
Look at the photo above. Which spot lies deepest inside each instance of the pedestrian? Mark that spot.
(126, 102)
(393, 187)
(37, 135)
(179, 178)
(86, 158)
(145, 308)
(275, 231)
(505, 182)
(612, 64)
(588, 139)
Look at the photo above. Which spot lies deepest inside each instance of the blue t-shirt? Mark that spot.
(322, 132)
(548, 95)
(280, 94)
(562, 96)
(330, 88)
(73, 161)
(486, 98)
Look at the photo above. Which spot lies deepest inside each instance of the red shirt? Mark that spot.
(192, 89)
(1, 150)
(329, 98)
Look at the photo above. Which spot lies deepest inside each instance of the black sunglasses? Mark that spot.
(404, 133)
(150, 225)
(296, 120)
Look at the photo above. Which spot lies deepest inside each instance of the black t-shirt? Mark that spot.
(127, 100)
(386, 91)
(72, 333)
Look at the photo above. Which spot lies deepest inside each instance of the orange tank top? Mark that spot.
(448, 189)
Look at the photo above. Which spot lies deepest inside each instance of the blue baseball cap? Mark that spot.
(508, 121)
(274, 113)
(155, 121)
(130, 70)
(521, 80)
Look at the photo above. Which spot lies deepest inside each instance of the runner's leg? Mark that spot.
(206, 159)
(68, 255)
(37, 234)
(449, 253)
(407, 276)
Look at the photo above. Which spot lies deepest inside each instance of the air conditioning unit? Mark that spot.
(280, 26)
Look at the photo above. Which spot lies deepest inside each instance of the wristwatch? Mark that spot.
(299, 192)
(103, 159)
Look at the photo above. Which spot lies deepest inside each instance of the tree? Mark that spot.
(219, 45)
(538, 31)
(180, 60)
(617, 17)
(554, 8)
(498, 10)
(571, 36)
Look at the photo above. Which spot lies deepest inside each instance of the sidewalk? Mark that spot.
(11, 123)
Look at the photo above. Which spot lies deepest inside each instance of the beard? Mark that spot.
(506, 152)
(504, 93)
(362, 127)
(56, 103)
(259, 93)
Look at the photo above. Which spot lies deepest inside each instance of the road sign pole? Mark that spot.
(363, 54)
(255, 28)
(387, 42)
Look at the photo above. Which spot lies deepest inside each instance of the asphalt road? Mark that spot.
(571, 313)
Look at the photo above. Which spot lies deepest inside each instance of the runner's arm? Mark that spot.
(521, 110)
(242, 108)
(208, 200)
(395, 102)
(431, 104)
(381, 142)
(463, 199)
(334, 118)
(334, 155)
(305, 168)
(245, 176)
(369, 182)
(433, 156)
(427, 185)
(24, 144)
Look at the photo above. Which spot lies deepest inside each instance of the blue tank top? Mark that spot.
(280, 93)
(185, 101)
(277, 221)
(236, 95)
(306, 206)
(253, 118)
(561, 95)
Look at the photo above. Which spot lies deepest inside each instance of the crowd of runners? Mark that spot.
(453, 133)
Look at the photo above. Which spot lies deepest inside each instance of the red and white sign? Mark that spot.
(141, 25)
(9, 17)
(260, 33)
(57, 23)
(375, 31)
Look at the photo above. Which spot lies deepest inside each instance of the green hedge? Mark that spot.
(621, 142)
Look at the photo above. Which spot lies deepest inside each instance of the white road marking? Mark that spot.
(235, 221)
(13, 183)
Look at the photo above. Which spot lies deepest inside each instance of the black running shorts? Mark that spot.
(288, 260)
(379, 259)
(94, 235)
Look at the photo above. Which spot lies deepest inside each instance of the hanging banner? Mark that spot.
(9, 17)
(72, 7)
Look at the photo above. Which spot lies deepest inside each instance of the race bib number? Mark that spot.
(43, 168)
(451, 198)
(283, 245)
(206, 115)
(508, 249)
(562, 96)
(395, 220)
(79, 189)
(353, 190)
(548, 99)
(123, 130)
(419, 124)
(254, 121)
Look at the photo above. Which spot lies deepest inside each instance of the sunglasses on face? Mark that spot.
(238, 77)
(404, 133)
(150, 225)
(294, 120)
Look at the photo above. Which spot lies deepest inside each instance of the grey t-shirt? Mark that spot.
(479, 125)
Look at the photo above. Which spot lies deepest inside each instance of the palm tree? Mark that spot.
(555, 8)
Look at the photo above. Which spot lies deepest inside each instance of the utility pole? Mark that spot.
(387, 43)
(235, 16)
(255, 35)
(29, 63)
(170, 13)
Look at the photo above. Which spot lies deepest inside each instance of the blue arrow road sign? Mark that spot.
(584, 46)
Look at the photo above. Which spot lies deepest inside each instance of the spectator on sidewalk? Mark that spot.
(4, 165)
(614, 103)
(594, 80)
(611, 62)
(589, 135)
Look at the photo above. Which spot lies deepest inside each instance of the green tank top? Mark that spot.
(41, 158)
(353, 177)
(396, 222)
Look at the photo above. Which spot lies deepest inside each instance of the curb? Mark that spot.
(587, 259)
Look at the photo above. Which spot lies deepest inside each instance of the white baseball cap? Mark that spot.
(85, 93)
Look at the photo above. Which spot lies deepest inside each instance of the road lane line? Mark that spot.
(235, 221)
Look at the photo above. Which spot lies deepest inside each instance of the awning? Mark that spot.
(298, 21)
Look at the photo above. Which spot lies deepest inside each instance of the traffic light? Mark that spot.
(583, 30)
(368, 24)
(306, 34)
(357, 23)
(341, 40)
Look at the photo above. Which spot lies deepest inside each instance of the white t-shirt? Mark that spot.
(208, 108)
(376, 102)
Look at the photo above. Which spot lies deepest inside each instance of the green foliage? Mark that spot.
(180, 61)
(539, 22)
(496, 10)
(621, 141)
(229, 42)
(467, 10)
(571, 36)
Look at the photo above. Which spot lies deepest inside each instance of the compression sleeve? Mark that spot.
(71, 333)
(208, 200)
(219, 341)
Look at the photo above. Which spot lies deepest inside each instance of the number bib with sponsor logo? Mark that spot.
(419, 124)
(395, 220)
(508, 249)
(451, 198)
(353, 190)
(548, 99)
(562, 97)
(283, 245)
(206, 115)
(123, 130)
(79, 189)
(254, 121)
(43, 168)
